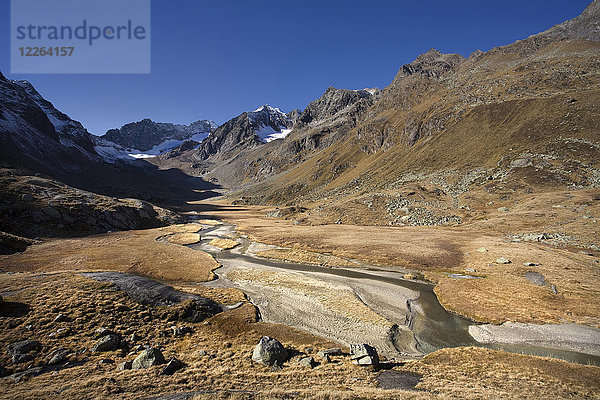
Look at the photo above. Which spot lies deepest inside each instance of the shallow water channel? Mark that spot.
(430, 326)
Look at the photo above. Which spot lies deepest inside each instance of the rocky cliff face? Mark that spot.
(146, 134)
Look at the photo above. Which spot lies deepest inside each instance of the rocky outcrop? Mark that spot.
(332, 102)
(431, 64)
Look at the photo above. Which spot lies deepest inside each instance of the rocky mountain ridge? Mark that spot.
(146, 135)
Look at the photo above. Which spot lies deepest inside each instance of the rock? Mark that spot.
(172, 366)
(125, 365)
(482, 250)
(307, 362)
(19, 376)
(20, 358)
(269, 351)
(58, 356)
(363, 354)
(106, 361)
(61, 318)
(536, 278)
(134, 337)
(19, 350)
(109, 342)
(330, 352)
(148, 358)
(530, 264)
(471, 270)
(503, 209)
(503, 260)
(553, 289)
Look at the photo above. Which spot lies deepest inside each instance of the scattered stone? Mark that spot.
(172, 366)
(134, 337)
(530, 264)
(106, 361)
(482, 250)
(59, 333)
(503, 209)
(125, 365)
(470, 270)
(536, 278)
(307, 362)
(59, 356)
(61, 318)
(503, 260)
(553, 289)
(109, 342)
(363, 354)
(202, 353)
(148, 358)
(269, 351)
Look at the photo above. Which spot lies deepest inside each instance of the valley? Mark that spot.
(450, 220)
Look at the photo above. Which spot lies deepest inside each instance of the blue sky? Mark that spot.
(216, 59)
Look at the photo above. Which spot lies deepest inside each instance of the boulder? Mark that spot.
(503, 260)
(269, 351)
(108, 342)
(307, 362)
(172, 366)
(148, 358)
(363, 354)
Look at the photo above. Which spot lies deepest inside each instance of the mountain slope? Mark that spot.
(39, 139)
(517, 119)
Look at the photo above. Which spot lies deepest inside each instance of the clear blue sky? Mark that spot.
(216, 59)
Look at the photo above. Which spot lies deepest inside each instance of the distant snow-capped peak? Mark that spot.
(270, 123)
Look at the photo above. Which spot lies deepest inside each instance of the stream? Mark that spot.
(418, 324)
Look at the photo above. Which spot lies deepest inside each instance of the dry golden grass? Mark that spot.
(504, 294)
(224, 244)
(308, 257)
(210, 222)
(227, 339)
(468, 372)
(183, 238)
(136, 252)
